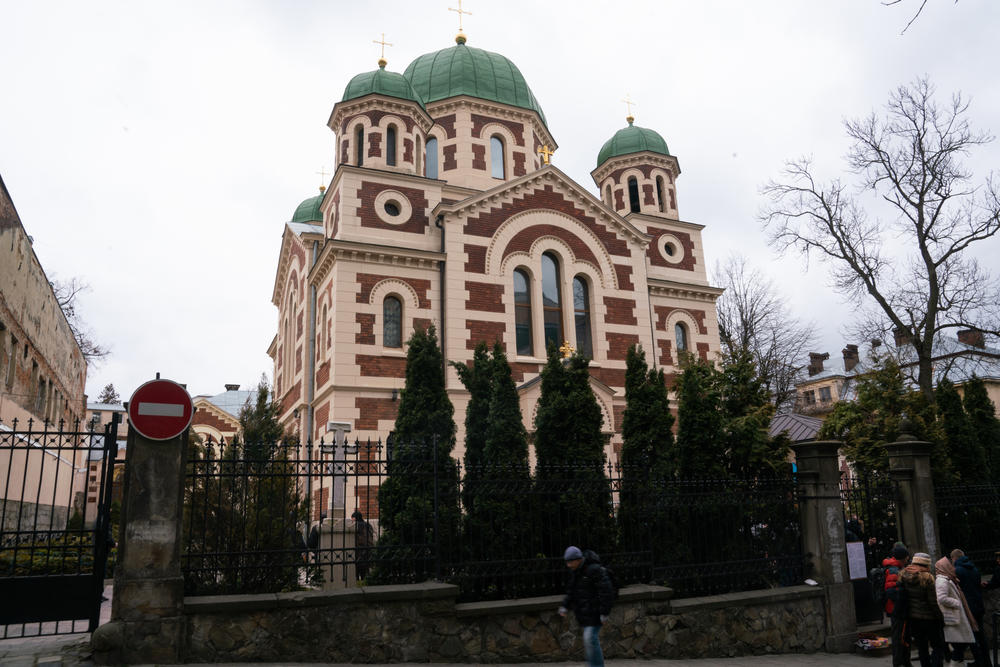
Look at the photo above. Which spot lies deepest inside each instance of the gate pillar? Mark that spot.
(823, 539)
(147, 607)
(910, 468)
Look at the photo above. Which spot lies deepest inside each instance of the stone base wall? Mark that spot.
(423, 623)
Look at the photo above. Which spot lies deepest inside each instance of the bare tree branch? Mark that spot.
(66, 293)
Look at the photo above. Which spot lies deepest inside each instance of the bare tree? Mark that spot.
(754, 318)
(66, 294)
(912, 274)
(920, 8)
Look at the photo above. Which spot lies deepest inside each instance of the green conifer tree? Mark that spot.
(571, 481)
(422, 475)
(477, 378)
(698, 451)
(983, 421)
(968, 458)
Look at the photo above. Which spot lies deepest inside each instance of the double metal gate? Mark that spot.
(56, 534)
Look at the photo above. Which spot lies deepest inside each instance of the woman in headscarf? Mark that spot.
(959, 624)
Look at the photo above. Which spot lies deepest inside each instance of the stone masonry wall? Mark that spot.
(422, 622)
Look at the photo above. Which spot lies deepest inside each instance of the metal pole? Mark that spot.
(437, 536)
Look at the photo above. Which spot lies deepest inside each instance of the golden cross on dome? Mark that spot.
(546, 153)
(461, 36)
(628, 103)
(381, 61)
(567, 350)
(322, 176)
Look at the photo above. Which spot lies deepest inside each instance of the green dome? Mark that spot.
(391, 84)
(632, 139)
(308, 211)
(464, 70)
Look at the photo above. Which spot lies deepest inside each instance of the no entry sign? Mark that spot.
(160, 410)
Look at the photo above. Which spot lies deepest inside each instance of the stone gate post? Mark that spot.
(916, 510)
(823, 540)
(147, 607)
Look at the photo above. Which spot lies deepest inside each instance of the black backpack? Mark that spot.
(614, 581)
(877, 576)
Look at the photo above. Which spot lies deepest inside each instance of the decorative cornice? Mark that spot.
(635, 159)
(285, 259)
(665, 223)
(202, 402)
(671, 288)
(495, 109)
(382, 103)
(370, 253)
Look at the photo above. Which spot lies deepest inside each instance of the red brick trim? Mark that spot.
(702, 350)
(666, 354)
(374, 410)
(381, 367)
(292, 397)
(374, 144)
(479, 157)
(656, 258)
(367, 281)
(447, 124)
(624, 273)
(479, 122)
(519, 158)
(620, 311)
(618, 344)
(613, 377)
(520, 369)
(421, 323)
(476, 262)
(449, 163)
(523, 239)
(322, 416)
(323, 373)
(647, 194)
(367, 334)
(418, 221)
(485, 332)
(204, 417)
(487, 297)
(298, 359)
(663, 312)
(407, 149)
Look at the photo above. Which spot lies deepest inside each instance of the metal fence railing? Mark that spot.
(969, 519)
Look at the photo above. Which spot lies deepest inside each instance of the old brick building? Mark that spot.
(443, 210)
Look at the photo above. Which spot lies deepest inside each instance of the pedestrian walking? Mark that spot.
(589, 595)
(926, 625)
(971, 584)
(892, 567)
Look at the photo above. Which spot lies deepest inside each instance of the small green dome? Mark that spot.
(391, 84)
(464, 70)
(308, 211)
(632, 139)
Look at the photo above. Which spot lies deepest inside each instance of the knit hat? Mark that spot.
(899, 551)
(922, 559)
(574, 553)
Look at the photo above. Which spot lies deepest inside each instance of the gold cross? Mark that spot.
(567, 350)
(546, 153)
(459, 11)
(628, 103)
(322, 175)
(381, 60)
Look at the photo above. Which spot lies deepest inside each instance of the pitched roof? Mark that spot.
(799, 428)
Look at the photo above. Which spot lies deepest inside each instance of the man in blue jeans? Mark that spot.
(590, 595)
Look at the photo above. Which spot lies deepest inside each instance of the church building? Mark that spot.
(444, 210)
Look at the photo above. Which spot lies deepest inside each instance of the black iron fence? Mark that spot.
(969, 519)
(285, 517)
(870, 512)
(56, 535)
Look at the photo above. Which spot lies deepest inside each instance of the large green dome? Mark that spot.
(391, 84)
(632, 139)
(309, 211)
(464, 70)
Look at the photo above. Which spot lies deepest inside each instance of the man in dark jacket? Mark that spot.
(892, 567)
(590, 595)
(971, 584)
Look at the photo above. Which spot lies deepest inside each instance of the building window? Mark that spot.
(392, 322)
(659, 193)
(522, 312)
(322, 335)
(824, 394)
(581, 315)
(607, 197)
(681, 336)
(809, 397)
(416, 156)
(432, 158)
(390, 146)
(11, 360)
(496, 157)
(359, 143)
(633, 194)
(551, 306)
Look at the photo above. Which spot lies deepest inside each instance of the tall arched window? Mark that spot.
(581, 315)
(551, 307)
(392, 322)
(390, 146)
(359, 145)
(324, 341)
(416, 157)
(607, 196)
(522, 312)
(659, 193)
(432, 158)
(633, 194)
(496, 157)
(681, 336)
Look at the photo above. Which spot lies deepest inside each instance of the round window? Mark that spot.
(669, 249)
(392, 208)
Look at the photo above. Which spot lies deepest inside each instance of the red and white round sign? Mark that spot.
(160, 410)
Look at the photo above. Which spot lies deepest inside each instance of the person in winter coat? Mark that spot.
(590, 595)
(924, 618)
(964, 576)
(893, 567)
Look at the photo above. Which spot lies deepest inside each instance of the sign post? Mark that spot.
(160, 410)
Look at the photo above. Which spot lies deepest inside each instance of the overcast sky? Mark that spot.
(155, 150)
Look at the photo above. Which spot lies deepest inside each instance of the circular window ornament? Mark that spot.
(670, 248)
(393, 207)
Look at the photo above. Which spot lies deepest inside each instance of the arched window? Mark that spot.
(522, 312)
(659, 193)
(324, 341)
(633, 194)
(432, 158)
(681, 336)
(359, 143)
(496, 157)
(392, 322)
(581, 315)
(607, 197)
(390, 146)
(551, 308)
(416, 157)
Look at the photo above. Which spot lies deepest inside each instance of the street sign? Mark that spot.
(160, 410)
